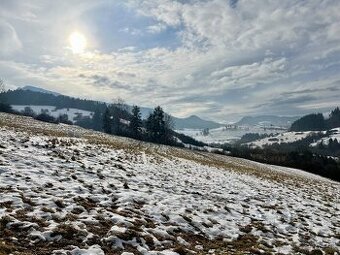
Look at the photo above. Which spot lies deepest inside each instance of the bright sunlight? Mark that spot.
(77, 42)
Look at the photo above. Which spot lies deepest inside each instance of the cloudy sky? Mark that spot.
(219, 59)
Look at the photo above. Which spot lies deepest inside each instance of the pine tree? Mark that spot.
(97, 120)
(155, 125)
(158, 127)
(2, 86)
(4, 106)
(116, 115)
(136, 122)
(107, 121)
(334, 118)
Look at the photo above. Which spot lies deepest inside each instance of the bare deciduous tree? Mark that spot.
(120, 103)
(2, 86)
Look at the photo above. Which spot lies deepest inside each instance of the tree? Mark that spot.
(107, 121)
(2, 86)
(4, 106)
(63, 118)
(155, 125)
(120, 104)
(28, 111)
(116, 120)
(97, 120)
(334, 118)
(116, 116)
(136, 122)
(159, 127)
(46, 118)
(205, 131)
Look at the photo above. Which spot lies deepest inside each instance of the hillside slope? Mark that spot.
(72, 113)
(291, 137)
(194, 122)
(41, 90)
(267, 120)
(67, 190)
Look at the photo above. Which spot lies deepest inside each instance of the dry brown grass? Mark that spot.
(158, 153)
(245, 244)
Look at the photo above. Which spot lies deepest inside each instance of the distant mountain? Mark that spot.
(34, 96)
(41, 90)
(194, 122)
(267, 120)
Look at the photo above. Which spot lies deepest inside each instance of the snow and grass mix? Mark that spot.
(91, 195)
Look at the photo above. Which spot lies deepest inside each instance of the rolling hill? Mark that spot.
(41, 90)
(68, 190)
(34, 96)
(267, 120)
(195, 122)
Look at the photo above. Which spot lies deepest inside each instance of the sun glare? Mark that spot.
(77, 42)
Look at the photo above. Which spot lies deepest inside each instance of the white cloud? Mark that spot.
(250, 53)
(156, 29)
(9, 40)
(265, 71)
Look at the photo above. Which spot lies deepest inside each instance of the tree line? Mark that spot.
(27, 97)
(288, 155)
(116, 118)
(157, 128)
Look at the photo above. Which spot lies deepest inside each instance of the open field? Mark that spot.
(67, 190)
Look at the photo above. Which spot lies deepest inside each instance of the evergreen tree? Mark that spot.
(158, 127)
(4, 106)
(97, 120)
(116, 116)
(136, 122)
(2, 86)
(107, 121)
(334, 118)
(155, 125)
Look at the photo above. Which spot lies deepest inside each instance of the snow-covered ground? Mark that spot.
(287, 137)
(223, 135)
(67, 190)
(51, 110)
(334, 134)
(290, 137)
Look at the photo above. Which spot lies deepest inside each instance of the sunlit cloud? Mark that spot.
(215, 58)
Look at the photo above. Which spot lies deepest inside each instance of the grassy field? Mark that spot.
(68, 190)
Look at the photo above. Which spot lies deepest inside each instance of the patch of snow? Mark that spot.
(223, 135)
(72, 113)
(152, 199)
(286, 137)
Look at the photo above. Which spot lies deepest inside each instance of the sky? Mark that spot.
(218, 59)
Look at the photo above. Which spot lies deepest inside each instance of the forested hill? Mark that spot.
(39, 96)
(27, 97)
(317, 122)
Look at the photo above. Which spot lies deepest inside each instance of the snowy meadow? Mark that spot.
(67, 190)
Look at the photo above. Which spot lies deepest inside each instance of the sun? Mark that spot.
(78, 42)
